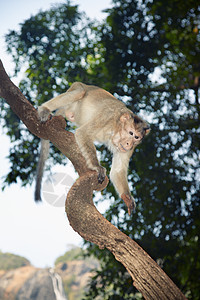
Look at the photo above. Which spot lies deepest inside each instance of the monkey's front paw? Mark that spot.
(43, 113)
(130, 202)
(101, 174)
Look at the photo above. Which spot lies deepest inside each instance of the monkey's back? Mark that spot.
(97, 104)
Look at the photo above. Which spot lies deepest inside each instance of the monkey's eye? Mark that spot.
(130, 132)
(136, 137)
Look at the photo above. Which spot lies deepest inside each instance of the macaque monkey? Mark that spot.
(100, 117)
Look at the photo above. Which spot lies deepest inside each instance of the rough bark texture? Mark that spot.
(147, 276)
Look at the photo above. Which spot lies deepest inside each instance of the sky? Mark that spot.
(39, 232)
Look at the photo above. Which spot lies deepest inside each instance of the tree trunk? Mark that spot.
(147, 276)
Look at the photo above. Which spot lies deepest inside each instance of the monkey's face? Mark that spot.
(131, 131)
(126, 138)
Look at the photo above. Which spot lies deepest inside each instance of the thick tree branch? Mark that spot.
(147, 276)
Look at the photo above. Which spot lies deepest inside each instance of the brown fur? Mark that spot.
(103, 118)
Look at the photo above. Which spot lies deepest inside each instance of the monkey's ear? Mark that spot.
(137, 120)
(126, 116)
(147, 130)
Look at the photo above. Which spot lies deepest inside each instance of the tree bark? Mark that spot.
(147, 276)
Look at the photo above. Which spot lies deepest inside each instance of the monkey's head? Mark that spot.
(130, 131)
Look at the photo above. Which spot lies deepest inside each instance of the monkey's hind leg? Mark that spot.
(61, 101)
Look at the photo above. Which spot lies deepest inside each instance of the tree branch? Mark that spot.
(147, 276)
(53, 130)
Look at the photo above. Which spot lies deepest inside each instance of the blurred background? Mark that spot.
(147, 53)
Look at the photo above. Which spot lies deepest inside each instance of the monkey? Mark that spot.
(99, 117)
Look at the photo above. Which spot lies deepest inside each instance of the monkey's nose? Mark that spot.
(128, 145)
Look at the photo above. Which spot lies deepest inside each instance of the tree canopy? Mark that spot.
(149, 52)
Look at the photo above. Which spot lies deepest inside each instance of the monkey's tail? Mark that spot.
(44, 152)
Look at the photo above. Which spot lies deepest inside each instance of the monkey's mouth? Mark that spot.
(122, 149)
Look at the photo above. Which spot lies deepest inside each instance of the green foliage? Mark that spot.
(10, 261)
(180, 50)
(74, 254)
